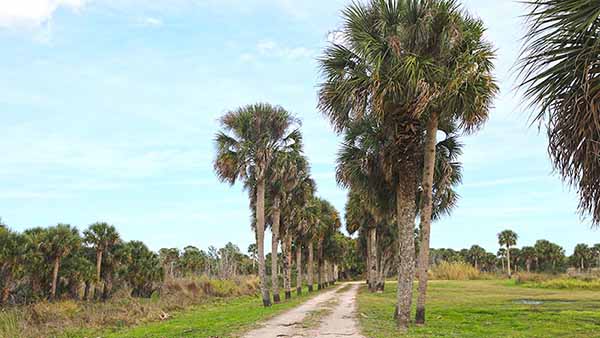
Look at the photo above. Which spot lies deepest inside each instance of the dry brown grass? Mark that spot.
(47, 319)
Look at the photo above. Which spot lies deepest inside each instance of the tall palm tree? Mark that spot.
(466, 92)
(311, 235)
(103, 237)
(246, 145)
(59, 241)
(507, 238)
(383, 67)
(559, 72)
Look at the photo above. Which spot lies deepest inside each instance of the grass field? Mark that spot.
(488, 308)
(225, 318)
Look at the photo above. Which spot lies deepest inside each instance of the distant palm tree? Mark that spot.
(246, 145)
(528, 254)
(168, 257)
(60, 241)
(507, 239)
(103, 237)
(559, 71)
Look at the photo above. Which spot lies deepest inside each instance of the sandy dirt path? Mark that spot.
(328, 315)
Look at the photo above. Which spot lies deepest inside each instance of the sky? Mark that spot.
(109, 109)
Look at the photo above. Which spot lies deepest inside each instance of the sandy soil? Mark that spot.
(331, 314)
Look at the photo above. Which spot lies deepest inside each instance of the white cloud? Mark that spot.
(33, 13)
(269, 48)
(150, 21)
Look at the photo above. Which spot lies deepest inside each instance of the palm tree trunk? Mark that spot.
(260, 240)
(54, 278)
(311, 267)
(508, 261)
(405, 208)
(320, 270)
(287, 265)
(98, 285)
(372, 233)
(274, 244)
(6, 288)
(426, 211)
(298, 268)
(368, 255)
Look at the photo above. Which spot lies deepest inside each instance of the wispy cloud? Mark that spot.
(33, 13)
(271, 49)
(151, 21)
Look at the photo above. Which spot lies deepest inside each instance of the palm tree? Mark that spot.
(60, 241)
(384, 68)
(311, 234)
(582, 255)
(168, 257)
(476, 255)
(559, 71)
(467, 89)
(249, 138)
(103, 237)
(507, 238)
(528, 254)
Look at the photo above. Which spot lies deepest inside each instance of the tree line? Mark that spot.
(542, 257)
(60, 262)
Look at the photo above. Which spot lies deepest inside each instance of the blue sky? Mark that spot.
(109, 108)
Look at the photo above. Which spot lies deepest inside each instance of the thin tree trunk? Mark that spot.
(373, 259)
(405, 206)
(98, 286)
(528, 265)
(320, 264)
(287, 265)
(508, 261)
(298, 268)
(311, 267)
(274, 244)
(426, 211)
(86, 290)
(260, 240)
(368, 266)
(54, 278)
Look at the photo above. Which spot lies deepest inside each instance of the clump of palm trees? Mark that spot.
(261, 144)
(398, 72)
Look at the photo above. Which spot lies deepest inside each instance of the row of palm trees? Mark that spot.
(44, 263)
(399, 73)
(261, 145)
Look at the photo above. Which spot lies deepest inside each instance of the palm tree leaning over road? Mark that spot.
(559, 72)
(507, 238)
(103, 238)
(249, 138)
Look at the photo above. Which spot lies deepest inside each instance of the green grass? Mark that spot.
(489, 308)
(225, 318)
(566, 283)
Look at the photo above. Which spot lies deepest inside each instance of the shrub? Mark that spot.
(454, 271)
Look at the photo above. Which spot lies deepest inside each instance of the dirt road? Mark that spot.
(331, 314)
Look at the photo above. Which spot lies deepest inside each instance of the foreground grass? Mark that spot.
(487, 309)
(225, 318)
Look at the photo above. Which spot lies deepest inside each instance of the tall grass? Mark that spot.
(45, 319)
(548, 281)
(454, 271)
